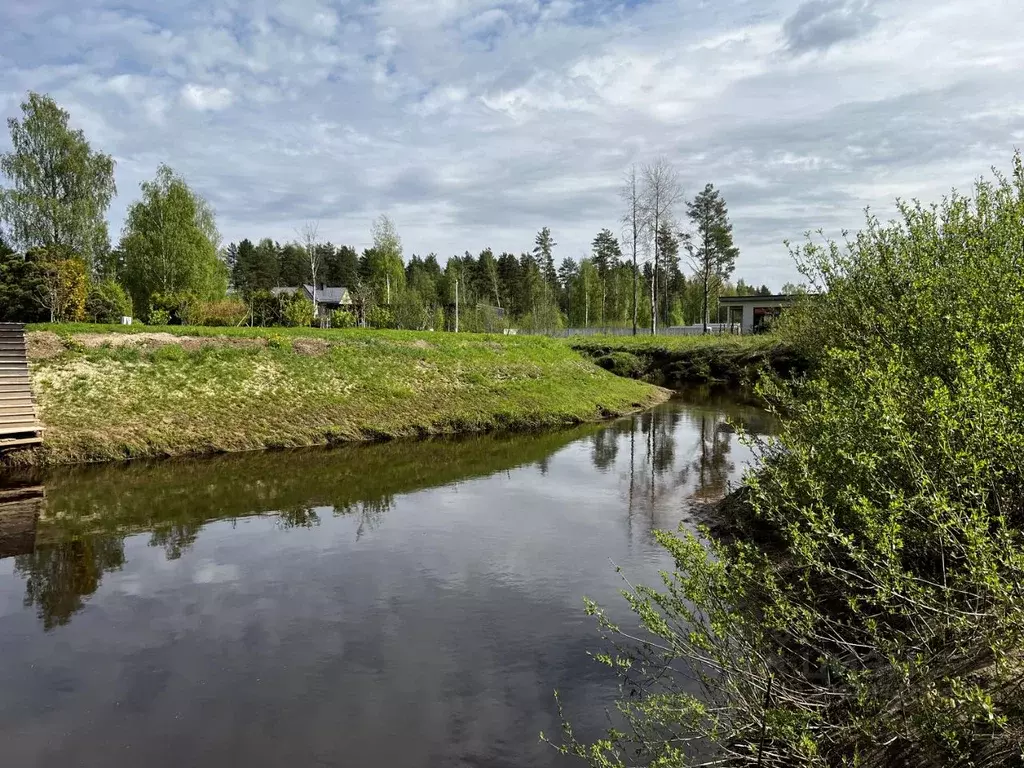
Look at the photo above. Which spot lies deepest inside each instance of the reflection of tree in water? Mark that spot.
(58, 577)
(298, 517)
(653, 473)
(606, 448)
(712, 466)
(176, 538)
(370, 513)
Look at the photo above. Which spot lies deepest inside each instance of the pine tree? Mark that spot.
(710, 244)
(543, 252)
(606, 252)
(669, 275)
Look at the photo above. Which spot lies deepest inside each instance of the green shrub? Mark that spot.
(107, 302)
(342, 318)
(297, 312)
(868, 610)
(380, 317)
(180, 308)
(159, 317)
(225, 312)
(266, 308)
(21, 284)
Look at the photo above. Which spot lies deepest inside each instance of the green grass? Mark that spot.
(637, 344)
(245, 389)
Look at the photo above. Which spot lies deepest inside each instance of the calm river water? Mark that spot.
(402, 604)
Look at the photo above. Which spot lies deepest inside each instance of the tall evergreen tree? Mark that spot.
(606, 256)
(670, 277)
(567, 272)
(606, 252)
(230, 257)
(343, 268)
(241, 264)
(710, 244)
(293, 266)
(543, 252)
(510, 279)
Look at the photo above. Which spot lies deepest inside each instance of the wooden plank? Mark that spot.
(20, 430)
(20, 442)
(23, 429)
(7, 415)
(11, 420)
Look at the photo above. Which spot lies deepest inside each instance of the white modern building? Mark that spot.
(752, 312)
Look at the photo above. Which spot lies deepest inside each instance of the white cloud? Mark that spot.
(206, 98)
(476, 122)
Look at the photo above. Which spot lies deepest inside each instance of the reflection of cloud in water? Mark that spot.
(660, 457)
(213, 573)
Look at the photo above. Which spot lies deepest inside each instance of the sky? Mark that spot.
(474, 123)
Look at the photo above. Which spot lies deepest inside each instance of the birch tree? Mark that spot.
(59, 188)
(661, 194)
(309, 236)
(169, 243)
(635, 223)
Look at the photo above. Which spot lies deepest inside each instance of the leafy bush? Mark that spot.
(297, 311)
(21, 283)
(159, 317)
(868, 610)
(380, 317)
(266, 308)
(63, 283)
(180, 308)
(342, 318)
(225, 312)
(107, 302)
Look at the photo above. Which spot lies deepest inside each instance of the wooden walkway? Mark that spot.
(19, 427)
(19, 512)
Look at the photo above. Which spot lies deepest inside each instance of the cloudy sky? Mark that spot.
(474, 123)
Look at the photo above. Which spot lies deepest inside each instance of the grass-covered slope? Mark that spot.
(107, 393)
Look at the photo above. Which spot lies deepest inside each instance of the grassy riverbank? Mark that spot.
(681, 361)
(109, 393)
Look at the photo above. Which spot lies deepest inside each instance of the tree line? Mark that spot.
(57, 262)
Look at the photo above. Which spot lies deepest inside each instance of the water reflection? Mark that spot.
(63, 549)
(423, 596)
(58, 576)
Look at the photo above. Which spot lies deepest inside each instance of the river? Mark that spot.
(400, 604)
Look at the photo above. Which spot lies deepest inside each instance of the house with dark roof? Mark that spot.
(328, 297)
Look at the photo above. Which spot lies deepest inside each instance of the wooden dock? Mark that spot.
(19, 512)
(19, 427)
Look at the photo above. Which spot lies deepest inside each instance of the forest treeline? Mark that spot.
(169, 265)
